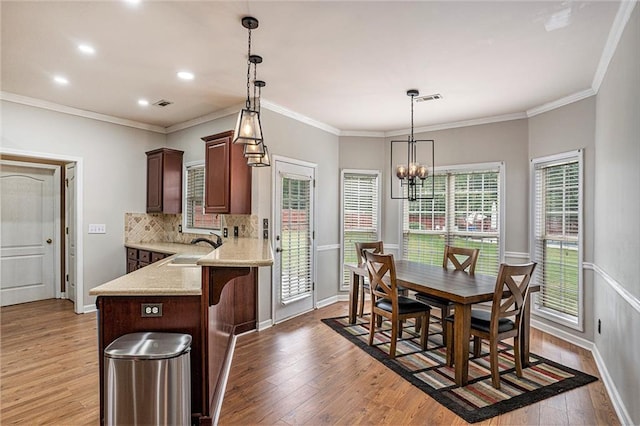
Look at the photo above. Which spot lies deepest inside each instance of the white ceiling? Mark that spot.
(346, 64)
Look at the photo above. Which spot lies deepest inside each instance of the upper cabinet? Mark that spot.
(227, 176)
(164, 181)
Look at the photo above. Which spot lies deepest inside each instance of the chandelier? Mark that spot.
(410, 162)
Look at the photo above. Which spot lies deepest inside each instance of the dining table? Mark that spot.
(461, 288)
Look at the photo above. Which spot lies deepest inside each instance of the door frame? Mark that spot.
(274, 208)
(79, 307)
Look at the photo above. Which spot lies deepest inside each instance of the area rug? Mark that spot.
(479, 400)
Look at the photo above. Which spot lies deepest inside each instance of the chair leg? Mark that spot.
(450, 354)
(425, 330)
(444, 313)
(418, 325)
(517, 355)
(372, 327)
(477, 346)
(394, 338)
(495, 372)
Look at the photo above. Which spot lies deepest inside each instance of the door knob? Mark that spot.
(49, 240)
(278, 250)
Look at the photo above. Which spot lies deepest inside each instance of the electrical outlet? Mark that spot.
(265, 234)
(599, 326)
(235, 231)
(265, 223)
(151, 310)
(180, 229)
(225, 232)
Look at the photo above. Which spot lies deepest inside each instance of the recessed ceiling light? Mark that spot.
(143, 102)
(61, 80)
(86, 49)
(185, 75)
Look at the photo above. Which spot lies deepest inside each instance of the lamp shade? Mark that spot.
(263, 161)
(251, 150)
(248, 129)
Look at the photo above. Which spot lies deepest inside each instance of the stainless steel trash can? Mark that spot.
(148, 379)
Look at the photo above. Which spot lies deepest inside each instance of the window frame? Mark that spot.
(461, 169)
(185, 174)
(576, 323)
(344, 286)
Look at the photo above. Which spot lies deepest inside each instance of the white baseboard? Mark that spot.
(89, 308)
(616, 400)
(561, 334)
(265, 324)
(326, 302)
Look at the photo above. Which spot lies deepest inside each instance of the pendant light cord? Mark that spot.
(248, 102)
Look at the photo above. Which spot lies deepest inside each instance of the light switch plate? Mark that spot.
(97, 228)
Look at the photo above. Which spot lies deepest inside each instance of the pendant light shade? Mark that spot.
(248, 128)
(256, 150)
(262, 161)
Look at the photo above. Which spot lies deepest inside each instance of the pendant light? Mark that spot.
(257, 155)
(248, 128)
(413, 172)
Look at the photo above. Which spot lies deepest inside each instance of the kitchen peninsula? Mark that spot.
(200, 299)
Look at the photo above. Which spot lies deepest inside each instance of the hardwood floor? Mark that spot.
(297, 372)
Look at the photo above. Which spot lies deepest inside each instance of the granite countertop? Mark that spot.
(164, 279)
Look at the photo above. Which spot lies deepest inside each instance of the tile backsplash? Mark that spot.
(157, 227)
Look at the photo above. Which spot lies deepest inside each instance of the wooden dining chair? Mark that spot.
(374, 247)
(462, 259)
(503, 321)
(387, 303)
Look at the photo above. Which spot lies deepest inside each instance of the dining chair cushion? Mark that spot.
(406, 305)
(481, 320)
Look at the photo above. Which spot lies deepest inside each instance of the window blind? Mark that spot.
(297, 281)
(194, 215)
(556, 242)
(465, 212)
(360, 214)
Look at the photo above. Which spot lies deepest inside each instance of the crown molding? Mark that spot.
(575, 97)
(464, 123)
(39, 103)
(205, 118)
(617, 28)
(299, 117)
(362, 133)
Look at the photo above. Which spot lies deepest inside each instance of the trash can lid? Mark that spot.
(149, 345)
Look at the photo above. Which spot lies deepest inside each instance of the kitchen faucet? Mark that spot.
(215, 244)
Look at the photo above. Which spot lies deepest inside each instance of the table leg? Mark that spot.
(354, 293)
(524, 335)
(461, 334)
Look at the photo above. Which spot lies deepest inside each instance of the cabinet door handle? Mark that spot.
(278, 250)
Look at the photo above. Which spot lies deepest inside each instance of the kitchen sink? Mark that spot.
(185, 260)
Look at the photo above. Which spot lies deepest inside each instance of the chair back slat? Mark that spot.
(462, 258)
(514, 281)
(361, 248)
(382, 276)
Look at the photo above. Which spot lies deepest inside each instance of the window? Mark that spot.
(194, 217)
(465, 212)
(557, 237)
(360, 214)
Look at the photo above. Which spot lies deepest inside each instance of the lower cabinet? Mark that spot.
(137, 258)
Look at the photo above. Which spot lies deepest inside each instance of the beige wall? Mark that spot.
(562, 130)
(114, 175)
(617, 219)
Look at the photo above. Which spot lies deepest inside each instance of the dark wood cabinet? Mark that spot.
(227, 176)
(245, 294)
(164, 181)
(137, 259)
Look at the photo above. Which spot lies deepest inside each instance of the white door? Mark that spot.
(294, 246)
(27, 233)
(70, 199)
